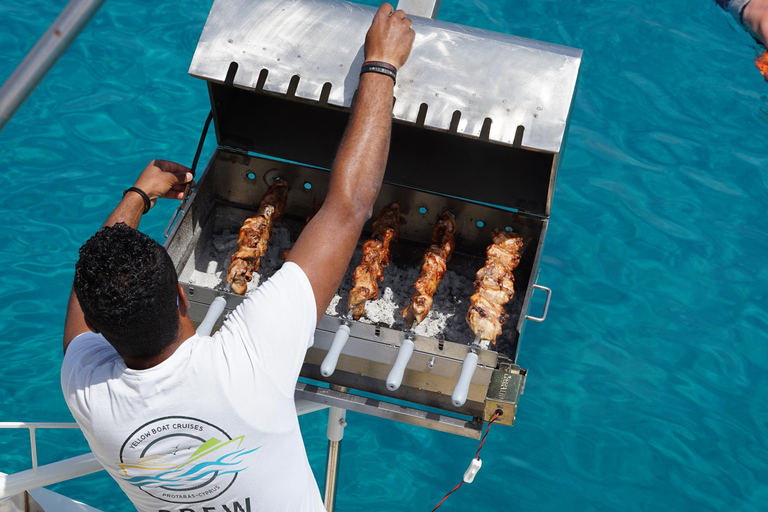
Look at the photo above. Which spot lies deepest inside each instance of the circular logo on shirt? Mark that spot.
(179, 459)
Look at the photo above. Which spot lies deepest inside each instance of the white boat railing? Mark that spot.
(40, 476)
(32, 427)
(67, 469)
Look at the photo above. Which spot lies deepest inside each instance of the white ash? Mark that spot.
(446, 320)
(331, 309)
(383, 309)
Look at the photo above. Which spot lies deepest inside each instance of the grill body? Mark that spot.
(482, 140)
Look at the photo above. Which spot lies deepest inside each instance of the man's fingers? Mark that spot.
(174, 194)
(183, 186)
(163, 178)
(385, 9)
(168, 166)
(390, 37)
(184, 177)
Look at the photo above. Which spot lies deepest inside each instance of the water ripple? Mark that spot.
(647, 383)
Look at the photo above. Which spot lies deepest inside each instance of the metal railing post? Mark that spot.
(33, 445)
(44, 55)
(336, 423)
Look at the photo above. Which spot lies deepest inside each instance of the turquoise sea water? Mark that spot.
(648, 381)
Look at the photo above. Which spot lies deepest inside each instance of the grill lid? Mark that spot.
(494, 89)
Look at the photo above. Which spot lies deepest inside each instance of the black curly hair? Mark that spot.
(127, 287)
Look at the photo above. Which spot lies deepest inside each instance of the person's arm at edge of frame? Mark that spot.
(160, 178)
(756, 18)
(326, 245)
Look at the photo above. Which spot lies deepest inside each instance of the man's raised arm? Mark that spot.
(325, 247)
(160, 178)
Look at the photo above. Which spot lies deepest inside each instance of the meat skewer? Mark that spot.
(376, 254)
(386, 229)
(254, 236)
(432, 270)
(494, 287)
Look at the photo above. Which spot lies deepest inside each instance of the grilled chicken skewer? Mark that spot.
(494, 287)
(376, 254)
(254, 236)
(386, 229)
(432, 270)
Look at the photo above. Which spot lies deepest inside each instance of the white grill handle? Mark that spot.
(328, 365)
(468, 367)
(214, 312)
(395, 377)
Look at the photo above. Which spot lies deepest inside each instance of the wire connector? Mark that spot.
(475, 465)
(472, 470)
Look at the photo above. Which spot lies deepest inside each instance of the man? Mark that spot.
(207, 424)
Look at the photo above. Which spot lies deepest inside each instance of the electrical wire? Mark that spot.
(188, 188)
(482, 441)
(202, 140)
(446, 496)
(477, 456)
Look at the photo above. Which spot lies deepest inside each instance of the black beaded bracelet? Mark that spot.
(384, 68)
(144, 196)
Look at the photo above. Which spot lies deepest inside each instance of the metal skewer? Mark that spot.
(337, 345)
(395, 377)
(214, 312)
(342, 334)
(443, 241)
(468, 367)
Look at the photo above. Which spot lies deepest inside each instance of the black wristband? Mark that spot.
(144, 196)
(384, 68)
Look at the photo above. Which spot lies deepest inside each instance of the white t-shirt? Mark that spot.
(213, 428)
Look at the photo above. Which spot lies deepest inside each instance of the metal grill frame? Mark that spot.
(281, 78)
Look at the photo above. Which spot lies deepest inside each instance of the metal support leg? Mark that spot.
(336, 423)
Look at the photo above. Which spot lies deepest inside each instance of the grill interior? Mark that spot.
(235, 184)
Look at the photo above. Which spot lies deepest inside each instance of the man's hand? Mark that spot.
(162, 178)
(390, 37)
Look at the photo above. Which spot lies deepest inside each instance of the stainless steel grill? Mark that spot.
(480, 124)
